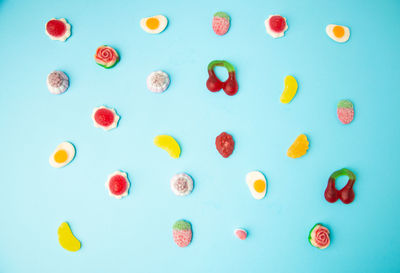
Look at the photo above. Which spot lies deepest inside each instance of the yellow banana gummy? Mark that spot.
(290, 89)
(169, 144)
(66, 239)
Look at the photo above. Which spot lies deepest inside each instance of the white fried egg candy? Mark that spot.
(104, 117)
(58, 29)
(340, 34)
(181, 184)
(257, 184)
(158, 81)
(154, 24)
(118, 184)
(62, 155)
(57, 82)
(276, 25)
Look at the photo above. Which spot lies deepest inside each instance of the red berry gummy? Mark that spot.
(225, 144)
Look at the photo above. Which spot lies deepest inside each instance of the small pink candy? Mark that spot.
(241, 233)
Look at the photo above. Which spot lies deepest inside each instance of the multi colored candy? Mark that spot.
(257, 184)
(169, 144)
(340, 34)
(181, 184)
(230, 86)
(118, 184)
(57, 82)
(276, 25)
(347, 193)
(104, 117)
(63, 155)
(345, 111)
(155, 24)
(158, 81)
(58, 29)
(106, 56)
(225, 144)
(240, 233)
(290, 89)
(319, 236)
(182, 233)
(67, 239)
(299, 147)
(221, 23)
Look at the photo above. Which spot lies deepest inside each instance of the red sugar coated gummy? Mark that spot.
(104, 117)
(277, 23)
(118, 185)
(56, 28)
(225, 144)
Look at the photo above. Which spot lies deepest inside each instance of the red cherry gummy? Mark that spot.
(118, 184)
(230, 86)
(277, 23)
(346, 195)
(104, 117)
(56, 28)
(225, 144)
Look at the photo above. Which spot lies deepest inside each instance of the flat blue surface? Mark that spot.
(134, 234)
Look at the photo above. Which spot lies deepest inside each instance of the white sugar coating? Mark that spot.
(181, 184)
(158, 81)
(57, 82)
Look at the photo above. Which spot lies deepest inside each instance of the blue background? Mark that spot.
(134, 234)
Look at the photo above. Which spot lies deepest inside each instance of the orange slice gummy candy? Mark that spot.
(299, 147)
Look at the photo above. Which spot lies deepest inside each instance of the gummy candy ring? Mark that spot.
(347, 193)
(230, 86)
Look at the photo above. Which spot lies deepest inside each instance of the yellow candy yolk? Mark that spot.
(61, 156)
(259, 186)
(152, 23)
(338, 31)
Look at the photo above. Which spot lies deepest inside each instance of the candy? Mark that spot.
(276, 26)
(182, 233)
(181, 184)
(58, 29)
(225, 144)
(57, 82)
(155, 24)
(240, 233)
(345, 111)
(299, 147)
(104, 117)
(290, 89)
(230, 86)
(169, 144)
(67, 239)
(158, 81)
(106, 56)
(63, 155)
(340, 34)
(319, 236)
(221, 23)
(347, 193)
(118, 184)
(257, 184)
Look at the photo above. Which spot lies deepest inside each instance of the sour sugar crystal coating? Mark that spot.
(181, 184)
(225, 144)
(221, 23)
(345, 111)
(319, 236)
(158, 81)
(182, 233)
(57, 82)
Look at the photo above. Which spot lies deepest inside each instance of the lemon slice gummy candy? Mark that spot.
(290, 89)
(169, 144)
(299, 147)
(66, 239)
